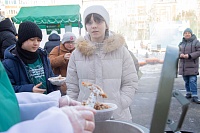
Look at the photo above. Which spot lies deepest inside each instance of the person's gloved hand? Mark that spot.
(67, 101)
(81, 118)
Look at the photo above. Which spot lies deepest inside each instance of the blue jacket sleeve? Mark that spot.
(18, 88)
(23, 88)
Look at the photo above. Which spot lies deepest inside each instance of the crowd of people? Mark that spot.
(27, 68)
(100, 57)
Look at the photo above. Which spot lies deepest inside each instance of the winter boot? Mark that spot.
(196, 100)
(188, 96)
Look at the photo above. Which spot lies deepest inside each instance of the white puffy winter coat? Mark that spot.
(110, 66)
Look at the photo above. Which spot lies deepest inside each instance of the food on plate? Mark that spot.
(58, 78)
(98, 105)
(92, 99)
(101, 106)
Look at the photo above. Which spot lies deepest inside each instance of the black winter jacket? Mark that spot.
(54, 40)
(7, 35)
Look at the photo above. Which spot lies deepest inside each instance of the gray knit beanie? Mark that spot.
(98, 9)
(68, 37)
(188, 30)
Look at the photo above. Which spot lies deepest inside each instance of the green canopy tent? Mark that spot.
(50, 17)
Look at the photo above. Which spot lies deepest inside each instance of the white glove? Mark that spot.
(81, 118)
(67, 101)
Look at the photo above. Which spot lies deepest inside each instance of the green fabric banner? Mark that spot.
(9, 108)
(47, 15)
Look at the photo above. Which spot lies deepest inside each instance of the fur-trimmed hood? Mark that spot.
(113, 42)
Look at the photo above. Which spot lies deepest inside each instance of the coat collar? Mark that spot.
(113, 42)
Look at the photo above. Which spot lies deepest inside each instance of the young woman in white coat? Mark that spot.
(101, 58)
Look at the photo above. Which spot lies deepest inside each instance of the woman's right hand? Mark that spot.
(36, 89)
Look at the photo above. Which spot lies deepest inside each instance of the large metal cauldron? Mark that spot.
(112, 126)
